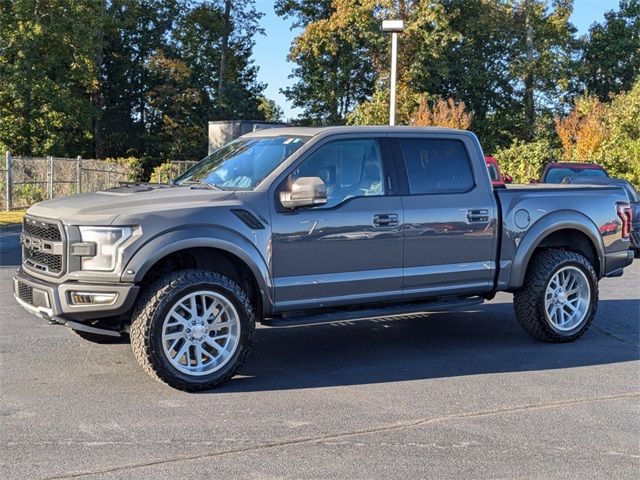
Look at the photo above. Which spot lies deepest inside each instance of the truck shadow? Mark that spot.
(486, 340)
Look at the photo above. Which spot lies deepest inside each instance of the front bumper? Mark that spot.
(53, 301)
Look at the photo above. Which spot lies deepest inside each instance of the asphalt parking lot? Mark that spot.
(457, 395)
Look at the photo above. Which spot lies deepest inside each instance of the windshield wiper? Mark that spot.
(194, 184)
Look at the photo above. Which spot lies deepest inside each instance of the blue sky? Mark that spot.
(270, 52)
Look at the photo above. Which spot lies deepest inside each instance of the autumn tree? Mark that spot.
(441, 113)
(582, 132)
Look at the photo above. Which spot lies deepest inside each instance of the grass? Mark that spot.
(10, 218)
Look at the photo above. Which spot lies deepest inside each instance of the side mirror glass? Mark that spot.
(305, 192)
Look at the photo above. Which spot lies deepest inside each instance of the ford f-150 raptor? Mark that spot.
(312, 224)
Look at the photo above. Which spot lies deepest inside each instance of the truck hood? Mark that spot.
(103, 207)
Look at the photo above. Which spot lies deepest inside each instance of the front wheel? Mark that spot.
(192, 329)
(559, 298)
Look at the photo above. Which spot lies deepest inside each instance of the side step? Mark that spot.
(300, 319)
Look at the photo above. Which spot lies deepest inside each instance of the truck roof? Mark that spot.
(313, 131)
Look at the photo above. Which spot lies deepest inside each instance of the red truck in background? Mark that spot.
(556, 172)
(498, 179)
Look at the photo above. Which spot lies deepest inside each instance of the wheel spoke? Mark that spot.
(181, 352)
(174, 335)
(210, 348)
(179, 319)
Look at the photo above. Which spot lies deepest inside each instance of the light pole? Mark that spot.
(393, 26)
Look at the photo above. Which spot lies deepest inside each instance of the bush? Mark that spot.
(164, 173)
(28, 194)
(134, 167)
(525, 161)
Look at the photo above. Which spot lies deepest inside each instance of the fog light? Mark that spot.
(88, 298)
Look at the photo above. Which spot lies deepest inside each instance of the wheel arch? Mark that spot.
(571, 231)
(214, 249)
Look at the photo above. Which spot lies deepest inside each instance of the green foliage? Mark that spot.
(113, 78)
(620, 152)
(164, 173)
(28, 194)
(47, 69)
(611, 56)
(133, 166)
(525, 161)
(270, 110)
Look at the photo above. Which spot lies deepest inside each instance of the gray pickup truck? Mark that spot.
(295, 225)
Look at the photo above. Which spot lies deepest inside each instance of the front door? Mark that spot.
(349, 249)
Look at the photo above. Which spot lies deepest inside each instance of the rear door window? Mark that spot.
(437, 166)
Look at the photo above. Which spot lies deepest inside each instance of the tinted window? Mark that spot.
(557, 175)
(493, 172)
(349, 168)
(437, 166)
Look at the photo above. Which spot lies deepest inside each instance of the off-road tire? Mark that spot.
(529, 301)
(153, 306)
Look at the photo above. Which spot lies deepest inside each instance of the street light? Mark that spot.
(393, 26)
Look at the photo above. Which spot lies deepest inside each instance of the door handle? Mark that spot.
(385, 220)
(481, 215)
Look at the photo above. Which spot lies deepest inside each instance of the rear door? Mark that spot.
(450, 217)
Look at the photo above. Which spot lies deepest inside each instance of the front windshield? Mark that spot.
(556, 175)
(243, 163)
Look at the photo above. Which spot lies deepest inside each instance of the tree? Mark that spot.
(177, 133)
(611, 52)
(217, 45)
(133, 31)
(543, 57)
(47, 74)
(335, 70)
(270, 111)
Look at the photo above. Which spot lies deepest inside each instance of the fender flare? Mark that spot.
(190, 236)
(545, 226)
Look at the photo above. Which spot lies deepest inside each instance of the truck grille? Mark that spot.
(45, 231)
(25, 293)
(42, 246)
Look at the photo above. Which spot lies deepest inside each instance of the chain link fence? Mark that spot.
(28, 180)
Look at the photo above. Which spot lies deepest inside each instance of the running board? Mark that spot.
(90, 329)
(373, 312)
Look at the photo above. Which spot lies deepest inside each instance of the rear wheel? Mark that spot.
(193, 329)
(559, 298)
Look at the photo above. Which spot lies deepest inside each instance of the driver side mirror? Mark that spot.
(305, 192)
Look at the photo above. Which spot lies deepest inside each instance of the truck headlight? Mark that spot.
(107, 240)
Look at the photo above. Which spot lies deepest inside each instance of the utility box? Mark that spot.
(221, 132)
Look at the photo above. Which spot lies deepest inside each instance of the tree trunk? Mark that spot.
(96, 94)
(529, 107)
(224, 53)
